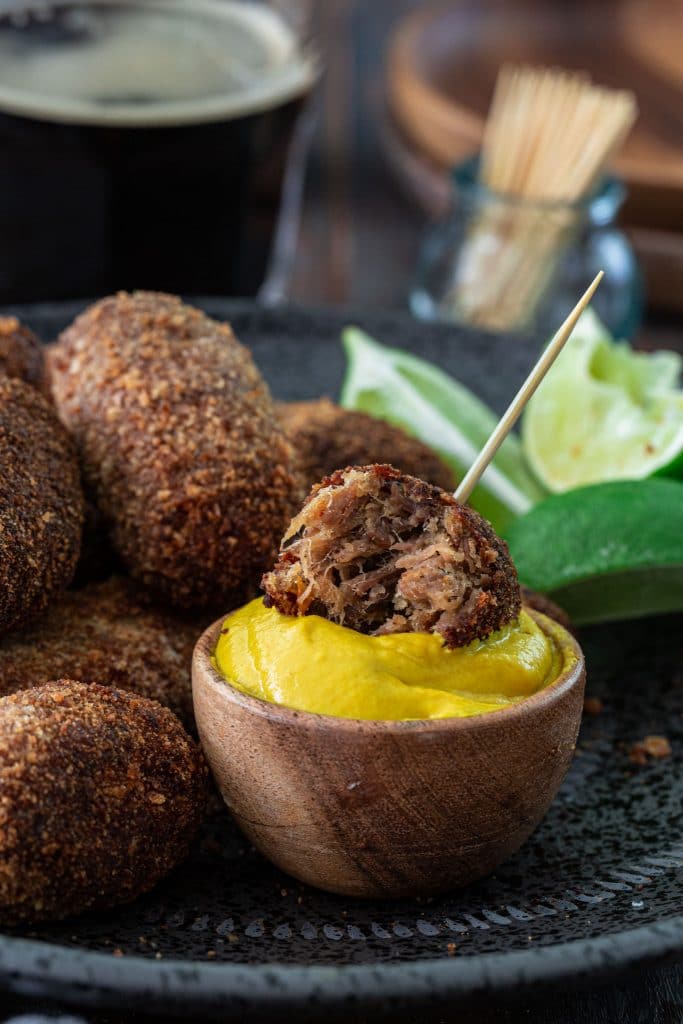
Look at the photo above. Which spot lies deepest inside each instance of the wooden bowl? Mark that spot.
(444, 57)
(393, 809)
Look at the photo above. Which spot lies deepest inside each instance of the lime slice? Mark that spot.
(428, 404)
(605, 412)
(607, 551)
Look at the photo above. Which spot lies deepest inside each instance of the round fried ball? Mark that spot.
(101, 792)
(382, 552)
(179, 444)
(106, 633)
(21, 353)
(327, 438)
(41, 504)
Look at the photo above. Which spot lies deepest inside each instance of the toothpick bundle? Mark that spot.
(548, 138)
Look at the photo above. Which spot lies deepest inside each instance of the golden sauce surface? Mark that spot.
(314, 665)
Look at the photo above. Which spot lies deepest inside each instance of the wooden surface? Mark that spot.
(445, 59)
(361, 224)
(360, 234)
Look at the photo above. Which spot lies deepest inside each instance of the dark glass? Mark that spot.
(88, 208)
(85, 210)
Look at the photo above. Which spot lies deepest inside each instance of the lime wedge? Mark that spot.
(607, 551)
(605, 412)
(428, 404)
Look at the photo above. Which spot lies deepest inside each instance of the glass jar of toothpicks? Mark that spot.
(534, 215)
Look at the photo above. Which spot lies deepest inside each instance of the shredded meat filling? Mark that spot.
(381, 552)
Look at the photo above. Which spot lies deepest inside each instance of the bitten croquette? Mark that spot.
(327, 438)
(106, 633)
(179, 443)
(381, 552)
(41, 504)
(21, 353)
(101, 792)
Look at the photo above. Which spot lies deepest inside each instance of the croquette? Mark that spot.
(21, 353)
(381, 552)
(179, 443)
(106, 633)
(327, 438)
(41, 504)
(101, 792)
(542, 603)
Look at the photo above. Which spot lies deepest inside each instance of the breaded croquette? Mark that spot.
(21, 353)
(327, 438)
(106, 633)
(101, 792)
(179, 442)
(41, 504)
(382, 552)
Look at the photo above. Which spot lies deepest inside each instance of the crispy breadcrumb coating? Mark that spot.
(21, 353)
(41, 504)
(106, 633)
(327, 438)
(101, 792)
(179, 444)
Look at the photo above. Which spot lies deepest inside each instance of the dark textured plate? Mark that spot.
(595, 892)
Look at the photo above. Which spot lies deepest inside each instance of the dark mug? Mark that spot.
(143, 144)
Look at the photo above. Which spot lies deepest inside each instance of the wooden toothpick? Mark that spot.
(510, 417)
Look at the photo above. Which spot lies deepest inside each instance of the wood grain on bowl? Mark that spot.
(389, 809)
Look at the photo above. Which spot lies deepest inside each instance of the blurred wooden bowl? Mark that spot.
(388, 809)
(443, 61)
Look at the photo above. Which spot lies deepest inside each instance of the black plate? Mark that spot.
(595, 892)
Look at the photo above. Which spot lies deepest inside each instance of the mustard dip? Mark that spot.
(311, 664)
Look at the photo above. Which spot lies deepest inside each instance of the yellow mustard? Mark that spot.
(311, 664)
